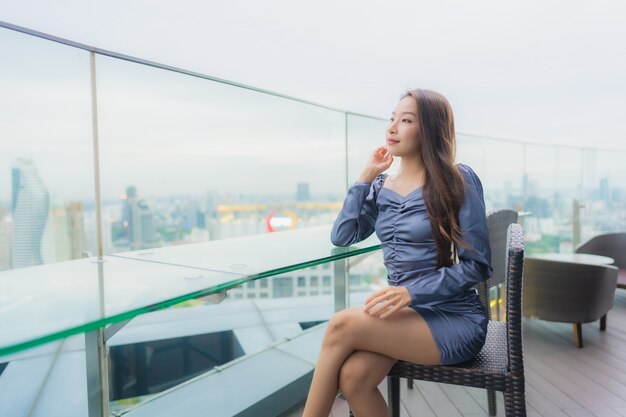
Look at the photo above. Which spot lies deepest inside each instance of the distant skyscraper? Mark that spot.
(605, 192)
(131, 218)
(32, 240)
(303, 192)
(192, 217)
(148, 235)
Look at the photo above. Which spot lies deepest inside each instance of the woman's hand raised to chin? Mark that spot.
(387, 301)
(379, 161)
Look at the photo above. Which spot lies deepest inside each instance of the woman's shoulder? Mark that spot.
(465, 169)
(470, 176)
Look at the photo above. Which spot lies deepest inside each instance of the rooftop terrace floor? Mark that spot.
(561, 380)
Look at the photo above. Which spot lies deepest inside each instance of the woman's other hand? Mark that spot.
(379, 161)
(385, 302)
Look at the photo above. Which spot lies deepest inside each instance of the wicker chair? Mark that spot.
(499, 366)
(612, 245)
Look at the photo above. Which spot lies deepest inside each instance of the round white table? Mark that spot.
(581, 258)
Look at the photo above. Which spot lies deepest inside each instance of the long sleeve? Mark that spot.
(474, 263)
(357, 217)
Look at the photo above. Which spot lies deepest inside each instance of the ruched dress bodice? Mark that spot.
(403, 227)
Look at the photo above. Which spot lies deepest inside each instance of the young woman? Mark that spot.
(430, 219)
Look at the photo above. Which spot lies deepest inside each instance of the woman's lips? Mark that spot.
(392, 142)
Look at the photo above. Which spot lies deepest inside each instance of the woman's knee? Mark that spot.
(353, 375)
(340, 325)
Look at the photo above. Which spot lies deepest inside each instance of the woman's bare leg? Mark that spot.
(359, 377)
(404, 335)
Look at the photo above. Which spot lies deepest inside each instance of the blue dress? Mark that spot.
(443, 297)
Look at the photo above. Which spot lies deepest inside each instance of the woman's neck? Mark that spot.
(411, 169)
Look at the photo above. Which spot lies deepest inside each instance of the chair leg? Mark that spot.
(578, 334)
(409, 383)
(491, 401)
(393, 395)
(603, 323)
(515, 401)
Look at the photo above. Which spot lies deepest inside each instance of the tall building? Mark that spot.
(32, 238)
(303, 193)
(131, 218)
(146, 216)
(605, 191)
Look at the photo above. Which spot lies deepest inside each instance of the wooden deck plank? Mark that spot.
(437, 399)
(461, 399)
(480, 396)
(414, 401)
(620, 410)
(541, 403)
(608, 378)
(578, 412)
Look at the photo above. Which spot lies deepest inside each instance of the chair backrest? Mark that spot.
(609, 244)
(498, 222)
(514, 269)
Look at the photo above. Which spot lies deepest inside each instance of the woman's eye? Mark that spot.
(406, 120)
(391, 119)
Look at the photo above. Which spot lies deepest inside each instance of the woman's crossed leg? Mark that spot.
(367, 347)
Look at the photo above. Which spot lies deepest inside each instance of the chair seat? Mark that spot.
(487, 370)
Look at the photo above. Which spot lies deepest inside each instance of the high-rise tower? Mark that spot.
(32, 240)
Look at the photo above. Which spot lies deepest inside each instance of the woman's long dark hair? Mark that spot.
(443, 188)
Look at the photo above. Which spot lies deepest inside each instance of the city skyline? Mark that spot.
(50, 230)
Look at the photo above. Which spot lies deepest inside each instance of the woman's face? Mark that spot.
(403, 130)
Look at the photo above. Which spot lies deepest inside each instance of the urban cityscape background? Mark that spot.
(38, 228)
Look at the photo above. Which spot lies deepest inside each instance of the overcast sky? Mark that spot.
(544, 71)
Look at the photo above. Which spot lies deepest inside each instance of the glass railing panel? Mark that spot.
(604, 192)
(86, 294)
(46, 153)
(185, 159)
(500, 167)
(48, 302)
